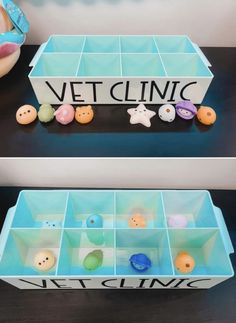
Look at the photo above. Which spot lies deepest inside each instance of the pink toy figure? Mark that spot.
(65, 114)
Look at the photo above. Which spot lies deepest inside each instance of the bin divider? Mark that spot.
(62, 232)
(158, 53)
(81, 53)
(167, 234)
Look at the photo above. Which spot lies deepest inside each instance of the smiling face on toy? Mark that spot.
(186, 110)
(84, 114)
(184, 263)
(26, 114)
(44, 260)
(137, 221)
(141, 115)
(167, 113)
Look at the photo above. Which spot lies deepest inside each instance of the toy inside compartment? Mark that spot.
(120, 56)
(115, 240)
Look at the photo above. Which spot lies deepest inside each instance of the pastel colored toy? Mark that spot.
(167, 112)
(184, 263)
(93, 260)
(94, 221)
(206, 115)
(140, 262)
(26, 114)
(44, 260)
(84, 114)
(46, 113)
(65, 114)
(51, 224)
(137, 221)
(177, 221)
(186, 110)
(141, 115)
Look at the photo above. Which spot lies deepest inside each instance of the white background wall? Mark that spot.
(120, 173)
(208, 22)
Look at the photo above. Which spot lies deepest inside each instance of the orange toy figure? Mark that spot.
(26, 114)
(137, 221)
(206, 115)
(184, 262)
(5, 22)
(84, 114)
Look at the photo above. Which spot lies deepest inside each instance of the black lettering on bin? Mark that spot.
(74, 95)
(60, 98)
(112, 91)
(108, 280)
(154, 281)
(142, 282)
(127, 93)
(94, 84)
(195, 281)
(184, 88)
(81, 282)
(44, 283)
(154, 86)
(173, 91)
(54, 281)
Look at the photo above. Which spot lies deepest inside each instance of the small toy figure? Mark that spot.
(51, 224)
(44, 260)
(137, 221)
(46, 113)
(177, 221)
(186, 110)
(184, 263)
(84, 114)
(26, 114)
(167, 112)
(65, 114)
(94, 221)
(5, 22)
(206, 115)
(141, 115)
(140, 262)
(93, 260)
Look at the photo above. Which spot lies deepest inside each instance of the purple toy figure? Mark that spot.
(186, 110)
(65, 114)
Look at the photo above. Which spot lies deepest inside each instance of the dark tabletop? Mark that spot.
(153, 306)
(110, 134)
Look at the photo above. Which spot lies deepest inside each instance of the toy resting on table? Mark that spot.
(13, 27)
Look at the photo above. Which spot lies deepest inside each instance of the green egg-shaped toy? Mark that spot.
(93, 260)
(46, 113)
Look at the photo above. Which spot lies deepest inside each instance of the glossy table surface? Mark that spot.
(110, 134)
(214, 305)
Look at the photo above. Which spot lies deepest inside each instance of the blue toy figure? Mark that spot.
(140, 262)
(94, 221)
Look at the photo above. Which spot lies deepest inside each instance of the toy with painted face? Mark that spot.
(44, 260)
(186, 110)
(206, 115)
(26, 114)
(141, 115)
(140, 262)
(137, 221)
(167, 112)
(184, 263)
(65, 114)
(84, 114)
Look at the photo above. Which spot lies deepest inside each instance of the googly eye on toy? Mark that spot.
(13, 27)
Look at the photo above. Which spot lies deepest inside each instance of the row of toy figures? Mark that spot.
(65, 114)
(167, 112)
(13, 29)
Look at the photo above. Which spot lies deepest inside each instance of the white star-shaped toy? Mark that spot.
(141, 115)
